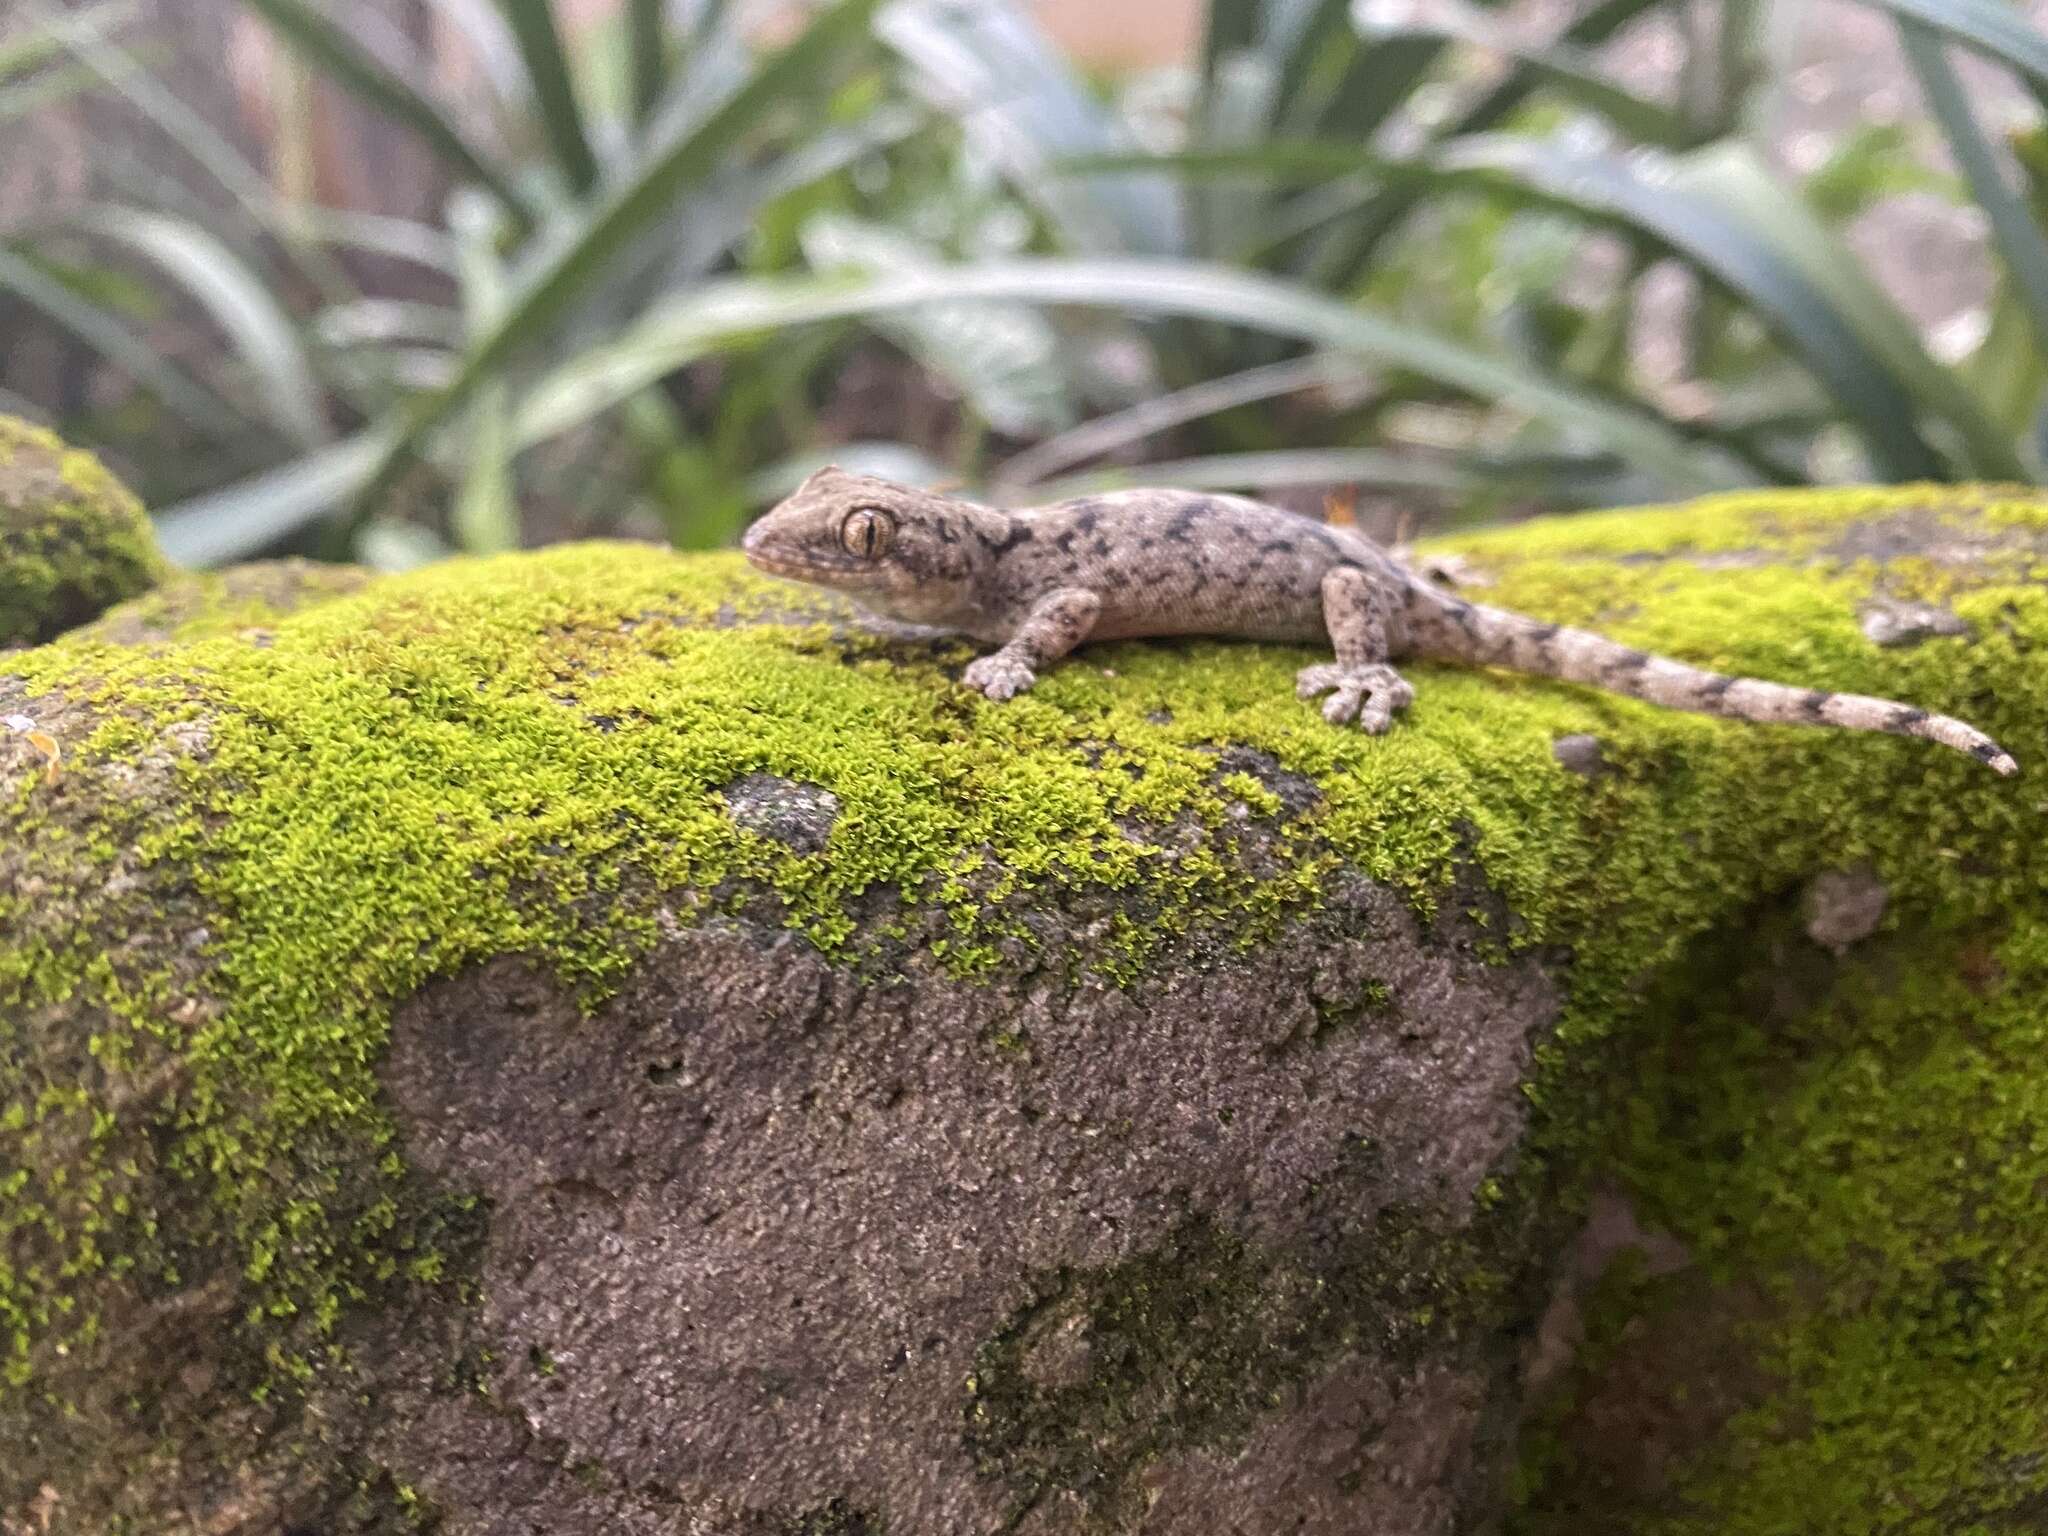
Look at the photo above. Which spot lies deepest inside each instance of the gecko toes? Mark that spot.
(1369, 695)
(1320, 678)
(999, 677)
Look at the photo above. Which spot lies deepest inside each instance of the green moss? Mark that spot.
(523, 755)
(73, 540)
(1854, 1155)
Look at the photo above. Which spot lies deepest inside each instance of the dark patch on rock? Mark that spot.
(1296, 793)
(799, 816)
(1925, 535)
(1892, 622)
(1580, 754)
(1841, 907)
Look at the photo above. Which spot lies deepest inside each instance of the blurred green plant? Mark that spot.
(1340, 246)
(1368, 160)
(653, 156)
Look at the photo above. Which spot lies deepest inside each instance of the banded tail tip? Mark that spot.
(1996, 758)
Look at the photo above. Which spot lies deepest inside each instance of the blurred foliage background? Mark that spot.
(390, 278)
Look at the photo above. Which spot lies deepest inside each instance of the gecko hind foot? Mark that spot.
(1369, 695)
(999, 676)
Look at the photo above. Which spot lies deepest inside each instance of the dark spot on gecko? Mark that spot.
(1087, 517)
(1278, 547)
(1065, 542)
(1019, 533)
(1716, 686)
(1184, 521)
(1986, 752)
(1630, 661)
(1542, 634)
(1905, 719)
(1814, 702)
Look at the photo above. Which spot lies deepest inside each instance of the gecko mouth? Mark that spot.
(795, 563)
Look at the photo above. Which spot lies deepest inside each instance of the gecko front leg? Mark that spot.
(1057, 623)
(1361, 685)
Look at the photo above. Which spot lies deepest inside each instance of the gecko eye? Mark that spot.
(866, 532)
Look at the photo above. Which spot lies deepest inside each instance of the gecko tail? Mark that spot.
(1453, 629)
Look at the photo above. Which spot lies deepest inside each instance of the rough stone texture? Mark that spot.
(243, 601)
(834, 1194)
(1844, 906)
(587, 1042)
(73, 541)
(1580, 753)
(798, 816)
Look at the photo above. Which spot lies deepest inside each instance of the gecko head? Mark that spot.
(910, 553)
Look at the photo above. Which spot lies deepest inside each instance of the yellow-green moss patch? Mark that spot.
(73, 540)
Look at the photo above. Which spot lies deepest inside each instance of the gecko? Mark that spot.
(1037, 582)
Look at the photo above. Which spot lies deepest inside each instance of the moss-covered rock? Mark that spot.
(73, 540)
(592, 1041)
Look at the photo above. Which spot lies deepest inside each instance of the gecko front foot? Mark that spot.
(1369, 695)
(999, 676)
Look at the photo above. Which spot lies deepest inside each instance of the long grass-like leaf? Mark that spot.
(901, 462)
(2020, 239)
(1322, 26)
(349, 65)
(992, 68)
(44, 89)
(1003, 359)
(1708, 210)
(114, 341)
(628, 211)
(206, 146)
(248, 314)
(547, 66)
(1231, 25)
(1383, 469)
(380, 234)
(1686, 216)
(739, 312)
(389, 322)
(40, 45)
(1732, 178)
(485, 518)
(729, 207)
(1106, 434)
(1344, 261)
(2000, 32)
(1570, 73)
(253, 514)
(722, 313)
(648, 39)
(488, 40)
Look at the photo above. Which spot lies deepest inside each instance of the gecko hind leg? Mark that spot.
(1361, 685)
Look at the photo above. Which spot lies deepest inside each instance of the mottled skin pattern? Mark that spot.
(1038, 582)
